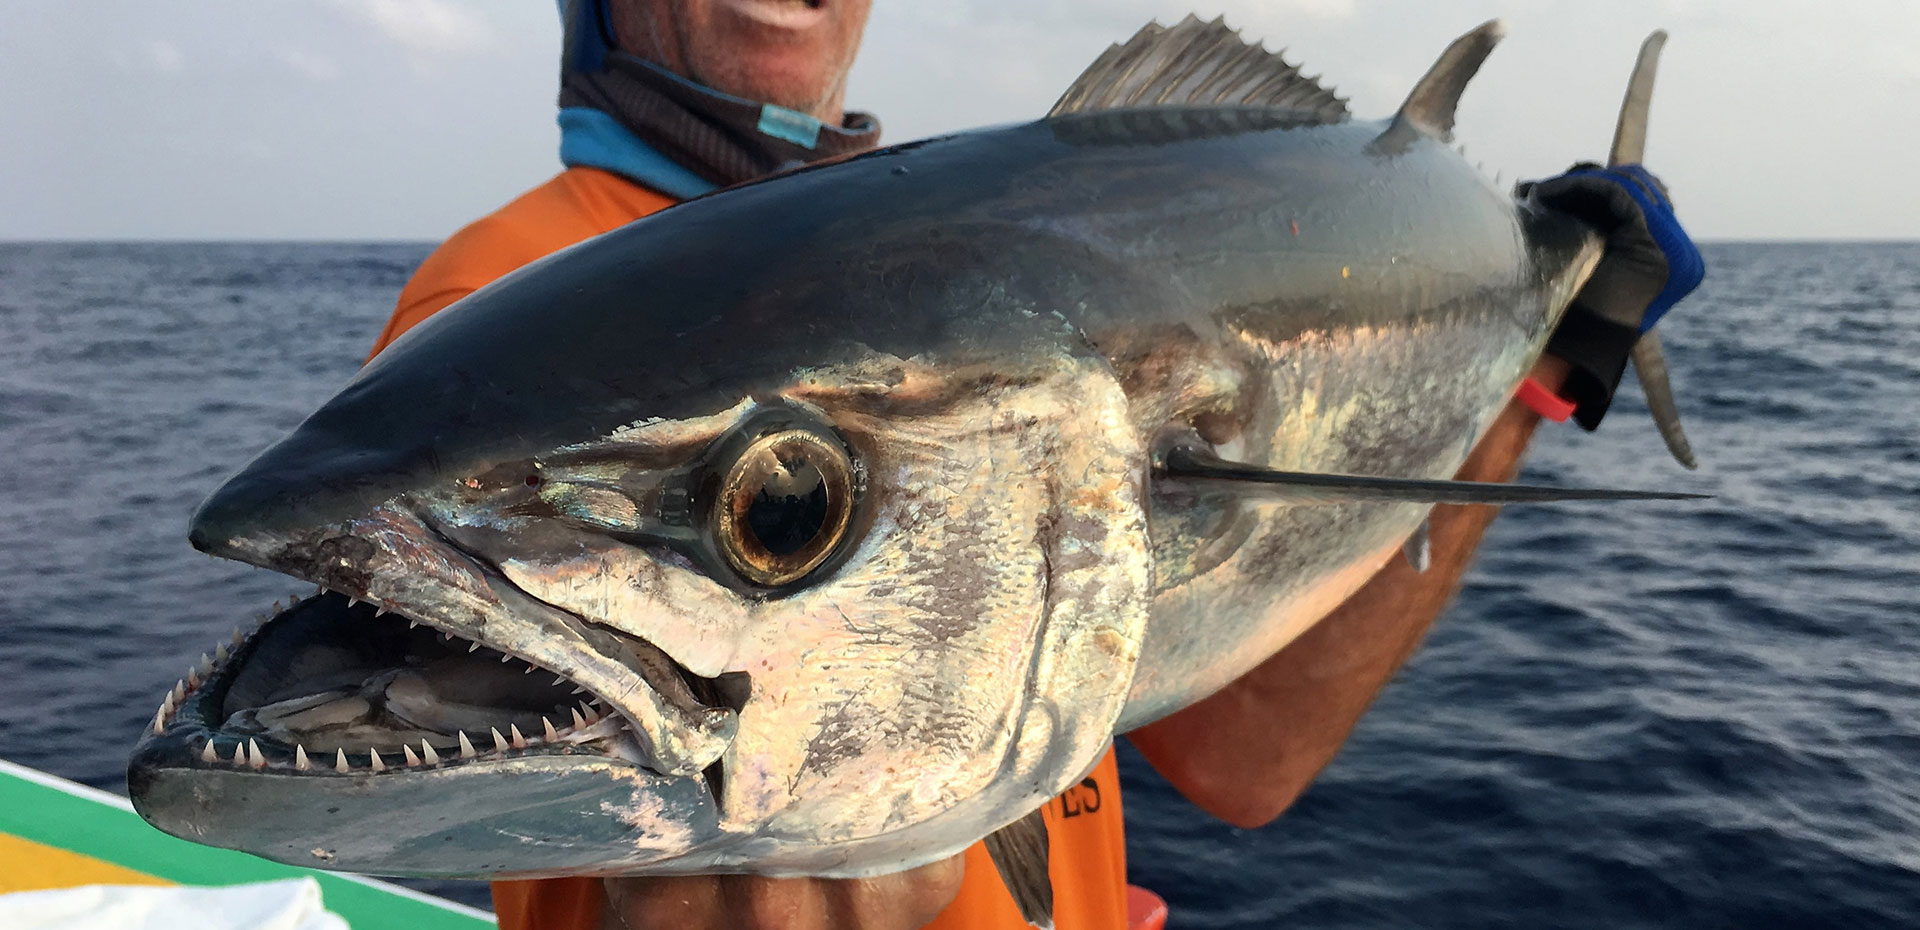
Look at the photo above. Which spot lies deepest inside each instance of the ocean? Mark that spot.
(1644, 715)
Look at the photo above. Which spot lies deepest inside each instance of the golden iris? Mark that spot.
(784, 506)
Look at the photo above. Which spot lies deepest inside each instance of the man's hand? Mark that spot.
(901, 901)
(1649, 265)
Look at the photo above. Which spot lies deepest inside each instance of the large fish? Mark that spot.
(827, 524)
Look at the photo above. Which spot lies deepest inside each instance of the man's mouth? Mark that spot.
(788, 14)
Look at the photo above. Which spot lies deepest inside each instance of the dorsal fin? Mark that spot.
(1429, 108)
(1197, 63)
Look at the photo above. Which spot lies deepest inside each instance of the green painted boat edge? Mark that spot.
(67, 815)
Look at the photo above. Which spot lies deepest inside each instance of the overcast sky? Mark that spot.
(404, 119)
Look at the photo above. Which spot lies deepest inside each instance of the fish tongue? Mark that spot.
(280, 710)
(422, 699)
(322, 722)
(326, 709)
(484, 682)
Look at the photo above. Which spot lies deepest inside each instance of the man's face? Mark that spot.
(794, 53)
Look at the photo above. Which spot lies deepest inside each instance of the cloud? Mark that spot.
(438, 28)
(165, 56)
(310, 65)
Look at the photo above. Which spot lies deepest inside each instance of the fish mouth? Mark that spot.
(342, 737)
(335, 686)
(390, 675)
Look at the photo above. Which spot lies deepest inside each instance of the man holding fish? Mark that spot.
(662, 101)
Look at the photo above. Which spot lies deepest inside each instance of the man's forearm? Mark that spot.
(1246, 753)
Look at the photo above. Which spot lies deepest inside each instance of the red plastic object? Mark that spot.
(1544, 402)
(1145, 910)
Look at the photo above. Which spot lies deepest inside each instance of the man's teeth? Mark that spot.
(589, 720)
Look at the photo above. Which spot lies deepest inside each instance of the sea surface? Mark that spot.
(1649, 715)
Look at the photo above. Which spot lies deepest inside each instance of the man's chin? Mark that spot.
(781, 76)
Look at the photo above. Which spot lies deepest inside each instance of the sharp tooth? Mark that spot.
(254, 757)
(300, 758)
(551, 735)
(239, 754)
(193, 679)
(411, 756)
(587, 709)
(340, 761)
(179, 692)
(577, 689)
(220, 653)
(353, 601)
(559, 680)
(206, 664)
(499, 742)
(519, 742)
(446, 637)
(427, 753)
(504, 657)
(239, 636)
(319, 588)
(527, 671)
(577, 721)
(379, 611)
(207, 754)
(276, 609)
(411, 623)
(466, 745)
(160, 721)
(373, 760)
(473, 647)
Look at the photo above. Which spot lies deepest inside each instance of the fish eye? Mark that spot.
(784, 506)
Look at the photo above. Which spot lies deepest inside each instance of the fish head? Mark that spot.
(685, 590)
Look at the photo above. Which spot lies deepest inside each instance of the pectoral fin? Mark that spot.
(1019, 852)
(1187, 464)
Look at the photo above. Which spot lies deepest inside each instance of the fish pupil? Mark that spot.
(784, 517)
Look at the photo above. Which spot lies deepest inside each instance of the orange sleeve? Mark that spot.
(576, 204)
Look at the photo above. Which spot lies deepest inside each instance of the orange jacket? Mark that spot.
(1088, 859)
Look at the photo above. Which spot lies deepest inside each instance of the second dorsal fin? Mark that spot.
(1197, 63)
(1429, 108)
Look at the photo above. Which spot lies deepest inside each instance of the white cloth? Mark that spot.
(290, 904)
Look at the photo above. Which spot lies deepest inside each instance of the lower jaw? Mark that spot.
(527, 816)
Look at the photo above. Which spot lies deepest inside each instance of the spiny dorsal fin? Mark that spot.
(1197, 63)
(1019, 853)
(1429, 108)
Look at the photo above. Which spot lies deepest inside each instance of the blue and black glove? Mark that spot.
(1649, 264)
